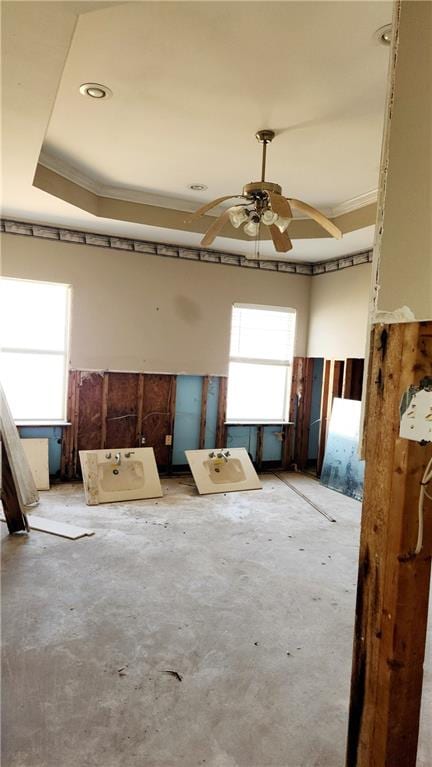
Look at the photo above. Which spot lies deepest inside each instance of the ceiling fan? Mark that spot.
(265, 205)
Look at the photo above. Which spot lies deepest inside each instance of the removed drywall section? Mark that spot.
(339, 313)
(131, 311)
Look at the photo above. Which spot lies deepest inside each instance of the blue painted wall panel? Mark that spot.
(211, 415)
(272, 445)
(54, 436)
(315, 423)
(187, 417)
(243, 436)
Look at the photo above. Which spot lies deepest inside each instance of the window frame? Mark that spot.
(41, 351)
(286, 363)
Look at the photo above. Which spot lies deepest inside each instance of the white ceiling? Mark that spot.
(192, 82)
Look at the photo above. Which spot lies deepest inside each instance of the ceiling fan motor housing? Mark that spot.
(259, 188)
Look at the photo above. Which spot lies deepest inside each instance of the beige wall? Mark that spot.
(404, 253)
(339, 313)
(131, 311)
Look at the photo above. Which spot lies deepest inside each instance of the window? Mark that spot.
(34, 327)
(262, 345)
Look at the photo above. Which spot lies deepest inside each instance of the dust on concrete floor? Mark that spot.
(248, 596)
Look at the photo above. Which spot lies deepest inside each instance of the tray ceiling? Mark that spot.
(192, 82)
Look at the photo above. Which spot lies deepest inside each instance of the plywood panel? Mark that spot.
(122, 410)
(158, 414)
(89, 427)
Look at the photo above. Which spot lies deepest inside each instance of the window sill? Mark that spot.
(258, 423)
(42, 423)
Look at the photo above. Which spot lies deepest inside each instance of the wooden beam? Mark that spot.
(259, 447)
(140, 405)
(171, 410)
(203, 420)
(221, 413)
(287, 446)
(393, 582)
(337, 379)
(353, 378)
(104, 408)
(300, 408)
(324, 415)
(75, 421)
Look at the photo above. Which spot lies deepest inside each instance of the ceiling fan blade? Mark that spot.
(281, 241)
(209, 205)
(280, 205)
(320, 218)
(215, 228)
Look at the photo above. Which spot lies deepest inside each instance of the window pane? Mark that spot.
(33, 315)
(34, 385)
(262, 333)
(256, 392)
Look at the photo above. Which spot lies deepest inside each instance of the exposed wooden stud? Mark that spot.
(287, 446)
(171, 410)
(203, 420)
(104, 408)
(221, 413)
(140, 405)
(337, 379)
(393, 583)
(324, 415)
(259, 447)
(300, 407)
(75, 418)
(353, 378)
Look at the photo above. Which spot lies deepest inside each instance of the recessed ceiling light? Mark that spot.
(198, 187)
(95, 91)
(384, 34)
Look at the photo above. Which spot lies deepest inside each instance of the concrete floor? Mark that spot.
(248, 596)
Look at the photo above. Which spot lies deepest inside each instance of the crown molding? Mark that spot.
(361, 201)
(71, 173)
(27, 229)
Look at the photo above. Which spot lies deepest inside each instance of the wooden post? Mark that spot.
(104, 408)
(338, 377)
(287, 446)
(140, 406)
(203, 421)
(393, 583)
(353, 379)
(300, 407)
(259, 447)
(324, 411)
(221, 413)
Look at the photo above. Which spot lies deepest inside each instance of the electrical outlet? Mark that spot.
(168, 439)
(143, 440)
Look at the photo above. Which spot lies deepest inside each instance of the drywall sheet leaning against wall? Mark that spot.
(342, 469)
(222, 471)
(36, 451)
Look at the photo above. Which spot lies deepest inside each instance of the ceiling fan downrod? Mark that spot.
(264, 137)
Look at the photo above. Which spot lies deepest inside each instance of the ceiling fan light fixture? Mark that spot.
(269, 217)
(251, 228)
(238, 216)
(282, 223)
